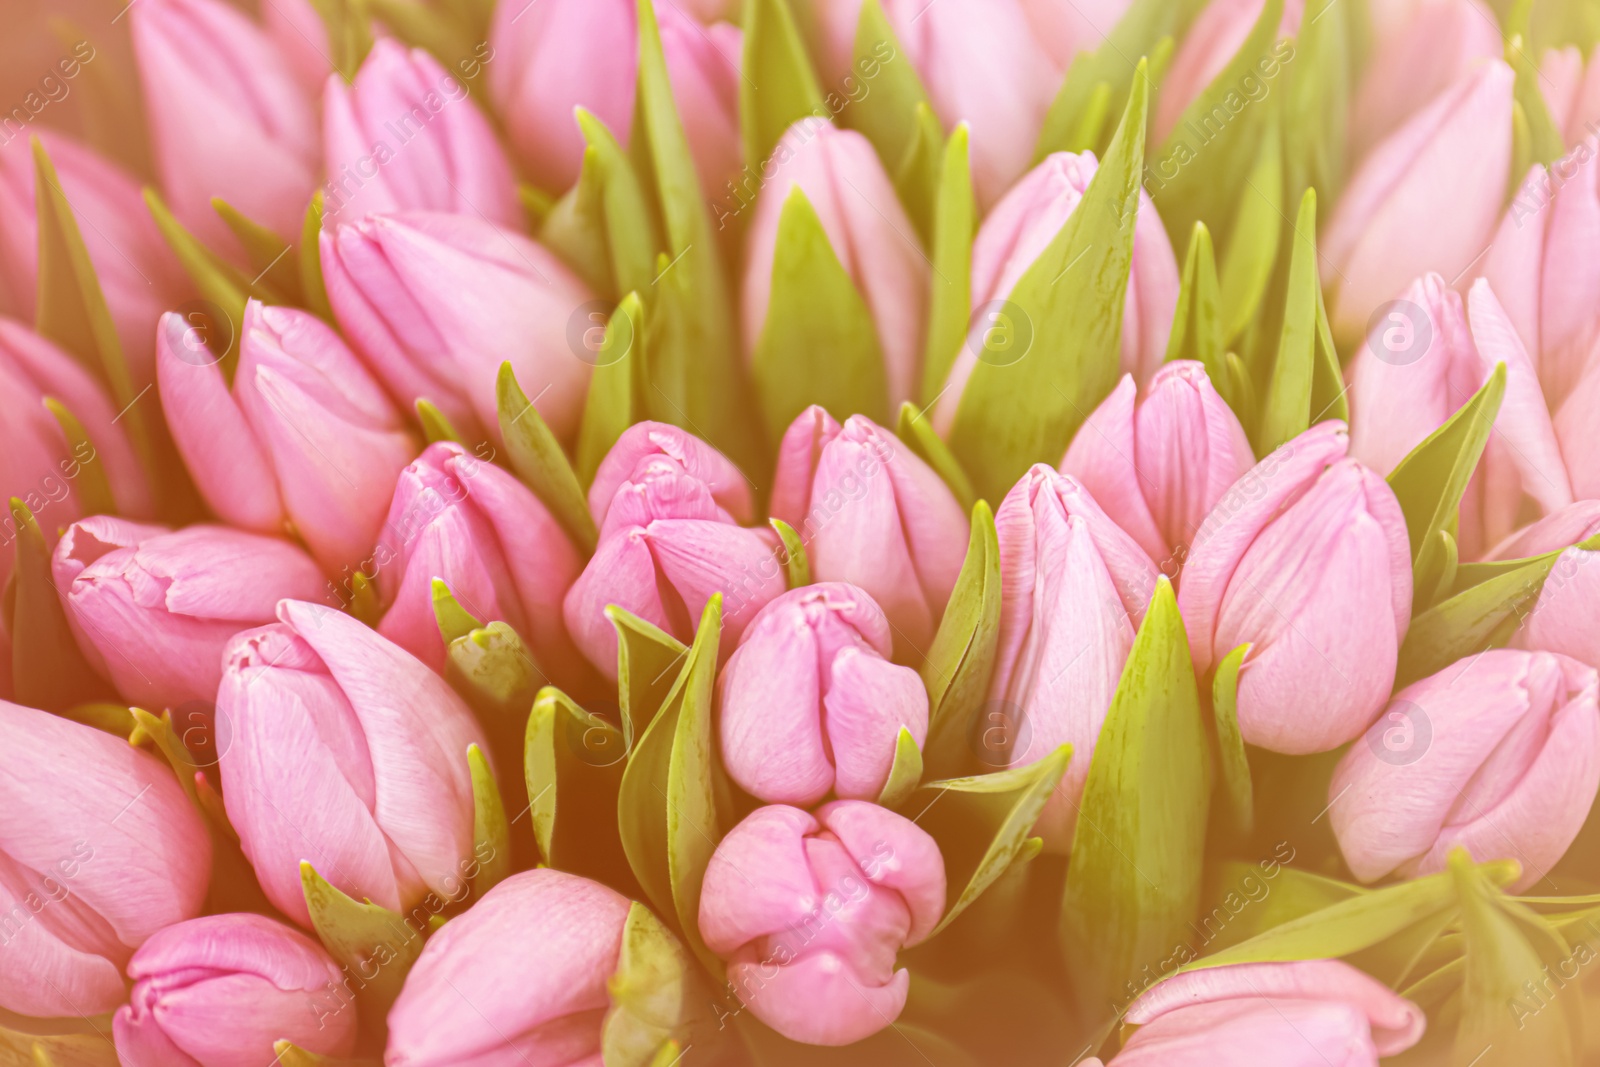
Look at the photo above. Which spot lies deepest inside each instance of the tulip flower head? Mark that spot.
(1069, 27)
(1566, 616)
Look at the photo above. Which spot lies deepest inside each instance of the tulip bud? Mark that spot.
(304, 438)
(223, 989)
(1018, 231)
(1571, 92)
(152, 609)
(348, 753)
(509, 299)
(874, 515)
(1420, 364)
(1215, 37)
(1498, 754)
(1309, 1013)
(839, 173)
(810, 911)
(1306, 559)
(1067, 27)
(1566, 616)
(485, 534)
(405, 136)
(227, 118)
(810, 704)
(101, 849)
(1159, 464)
(1073, 590)
(1425, 199)
(726, 483)
(302, 37)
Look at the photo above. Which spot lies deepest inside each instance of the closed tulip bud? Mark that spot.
(509, 300)
(1306, 559)
(497, 547)
(1571, 92)
(1425, 199)
(726, 483)
(1073, 589)
(1068, 27)
(302, 37)
(1158, 464)
(1498, 754)
(1566, 616)
(405, 136)
(152, 609)
(1310, 1013)
(874, 515)
(1022, 226)
(810, 704)
(1420, 364)
(348, 753)
(1210, 44)
(227, 118)
(101, 849)
(810, 911)
(839, 173)
(305, 438)
(223, 989)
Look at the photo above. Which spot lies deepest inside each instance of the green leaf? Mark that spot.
(87, 1049)
(268, 254)
(47, 670)
(456, 33)
(1286, 412)
(1254, 237)
(904, 774)
(950, 293)
(573, 763)
(619, 205)
(348, 34)
(961, 658)
(292, 1055)
(917, 174)
(493, 669)
(1245, 900)
(656, 998)
(310, 257)
(1235, 766)
(1134, 879)
(777, 85)
(649, 661)
(453, 619)
(819, 344)
(917, 434)
(537, 458)
(613, 402)
(1028, 410)
(436, 425)
(795, 563)
(367, 939)
(1545, 144)
(1197, 332)
(887, 115)
(574, 227)
(92, 488)
(491, 834)
(158, 730)
(983, 824)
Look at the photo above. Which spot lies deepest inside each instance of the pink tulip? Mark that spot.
(811, 910)
(839, 174)
(1565, 617)
(1215, 37)
(1073, 590)
(223, 989)
(305, 438)
(1425, 199)
(1423, 362)
(1160, 463)
(810, 704)
(348, 753)
(1576, 424)
(302, 38)
(227, 118)
(138, 273)
(493, 543)
(666, 547)
(1068, 27)
(1021, 227)
(1306, 559)
(508, 299)
(1310, 1013)
(871, 513)
(100, 849)
(404, 136)
(520, 979)
(1498, 754)
(643, 440)
(152, 609)
(981, 62)
(1572, 93)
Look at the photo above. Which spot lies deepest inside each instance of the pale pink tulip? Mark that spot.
(643, 440)
(1068, 27)
(302, 37)
(1565, 617)
(810, 912)
(1212, 41)
(1572, 93)
(1576, 426)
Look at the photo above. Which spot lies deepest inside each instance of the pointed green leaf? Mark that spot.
(491, 834)
(610, 197)
(956, 672)
(613, 403)
(493, 669)
(453, 619)
(573, 764)
(1245, 900)
(90, 484)
(918, 172)
(574, 227)
(795, 563)
(310, 257)
(917, 434)
(47, 670)
(1328, 399)
(950, 293)
(364, 603)
(905, 773)
(656, 998)
(436, 425)
(268, 254)
(219, 282)
(20, 1048)
(292, 1055)
(1197, 331)
(365, 938)
(1254, 237)
(777, 85)
(649, 661)
(1545, 144)
(537, 458)
(1235, 767)
(887, 114)
(347, 33)
(158, 730)
(1286, 409)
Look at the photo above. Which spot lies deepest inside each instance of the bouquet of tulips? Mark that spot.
(625, 533)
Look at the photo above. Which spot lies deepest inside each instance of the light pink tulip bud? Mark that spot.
(348, 753)
(406, 136)
(1159, 464)
(1572, 93)
(227, 118)
(223, 989)
(304, 439)
(1433, 47)
(138, 274)
(1425, 199)
(1498, 754)
(839, 174)
(1310, 1013)
(666, 547)
(1566, 616)
(811, 910)
(871, 513)
(302, 37)
(1425, 357)
(518, 979)
(504, 557)
(810, 704)
(703, 63)
(726, 483)
(1215, 37)
(100, 848)
(1576, 425)
(1073, 590)
(152, 609)
(509, 299)
(1021, 227)
(1306, 559)
(1068, 27)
